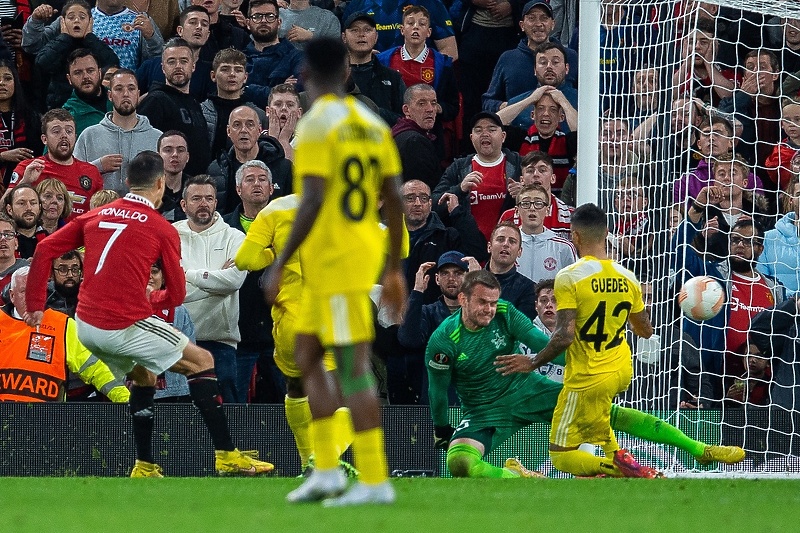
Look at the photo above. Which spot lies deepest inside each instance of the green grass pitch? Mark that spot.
(169, 505)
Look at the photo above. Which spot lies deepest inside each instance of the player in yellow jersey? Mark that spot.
(345, 158)
(267, 236)
(596, 298)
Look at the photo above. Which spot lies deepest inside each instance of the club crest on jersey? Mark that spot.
(499, 340)
(86, 182)
(426, 74)
(550, 264)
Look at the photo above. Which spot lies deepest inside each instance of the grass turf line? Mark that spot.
(176, 505)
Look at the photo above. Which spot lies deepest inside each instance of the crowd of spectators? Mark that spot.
(698, 163)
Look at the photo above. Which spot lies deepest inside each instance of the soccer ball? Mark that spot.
(701, 298)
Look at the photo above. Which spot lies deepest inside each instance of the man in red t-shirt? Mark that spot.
(750, 292)
(114, 319)
(481, 181)
(82, 179)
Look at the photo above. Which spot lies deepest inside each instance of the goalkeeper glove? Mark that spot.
(441, 436)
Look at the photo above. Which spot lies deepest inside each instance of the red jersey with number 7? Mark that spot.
(123, 239)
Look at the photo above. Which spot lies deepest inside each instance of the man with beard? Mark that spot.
(244, 131)
(421, 320)
(222, 34)
(22, 205)
(270, 60)
(120, 136)
(208, 246)
(62, 290)
(723, 338)
(9, 262)
(82, 179)
(254, 187)
(193, 27)
(89, 102)
(174, 150)
(169, 106)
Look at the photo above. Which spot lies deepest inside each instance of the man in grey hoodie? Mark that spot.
(120, 136)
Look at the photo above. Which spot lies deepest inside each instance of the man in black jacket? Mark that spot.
(380, 84)
(254, 187)
(244, 131)
(429, 238)
(505, 247)
(412, 134)
(171, 107)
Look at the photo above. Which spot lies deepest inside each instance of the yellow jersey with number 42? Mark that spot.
(343, 142)
(604, 294)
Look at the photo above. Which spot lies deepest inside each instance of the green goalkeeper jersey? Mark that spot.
(466, 358)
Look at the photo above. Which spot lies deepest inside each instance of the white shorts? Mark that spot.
(151, 343)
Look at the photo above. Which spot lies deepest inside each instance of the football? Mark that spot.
(701, 298)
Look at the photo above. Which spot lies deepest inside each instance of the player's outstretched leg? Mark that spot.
(198, 367)
(142, 408)
(298, 416)
(464, 460)
(654, 429)
(583, 464)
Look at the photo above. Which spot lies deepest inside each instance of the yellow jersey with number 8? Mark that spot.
(343, 142)
(604, 294)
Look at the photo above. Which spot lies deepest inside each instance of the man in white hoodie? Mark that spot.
(543, 252)
(208, 246)
(120, 136)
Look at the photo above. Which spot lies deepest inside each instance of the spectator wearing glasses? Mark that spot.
(62, 289)
(543, 252)
(270, 60)
(9, 262)
(429, 238)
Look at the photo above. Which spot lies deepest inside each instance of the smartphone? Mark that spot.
(14, 22)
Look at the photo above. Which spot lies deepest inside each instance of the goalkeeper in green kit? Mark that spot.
(472, 350)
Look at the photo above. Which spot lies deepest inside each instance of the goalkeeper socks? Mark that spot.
(324, 433)
(142, 406)
(370, 456)
(298, 415)
(464, 460)
(204, 390)
(654, 429)
(580, 463)
(345, 433)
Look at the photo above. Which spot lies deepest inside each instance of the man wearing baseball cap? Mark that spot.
(421, 320)
(480, 182)
(514, 73)
(379, 83)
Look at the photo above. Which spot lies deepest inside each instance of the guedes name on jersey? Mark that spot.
(355, 132)
(610, 285)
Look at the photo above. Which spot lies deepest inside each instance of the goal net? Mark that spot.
(697, 141)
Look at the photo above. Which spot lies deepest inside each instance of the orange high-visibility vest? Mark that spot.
(33, 365)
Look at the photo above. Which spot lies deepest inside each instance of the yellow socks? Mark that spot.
(326, 437)
(298, 415)
(370, 456)
(346, 433)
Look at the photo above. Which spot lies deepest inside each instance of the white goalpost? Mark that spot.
(691, 95)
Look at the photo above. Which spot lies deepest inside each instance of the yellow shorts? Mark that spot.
(340, 319)
(283, 332)
(585, 415)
